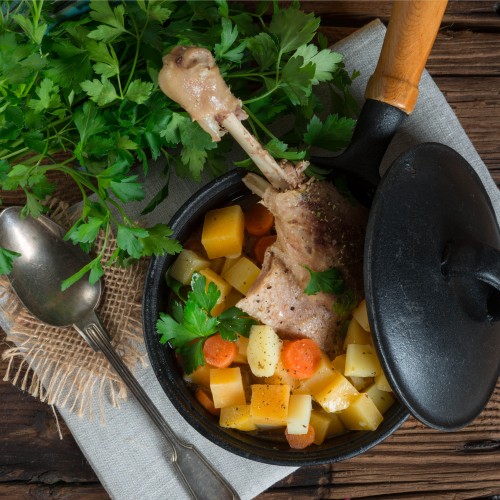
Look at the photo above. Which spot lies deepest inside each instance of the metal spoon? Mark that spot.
(46, 260)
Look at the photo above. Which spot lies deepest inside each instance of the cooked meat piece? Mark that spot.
(277, 300)
(191, 78)
(319, 228)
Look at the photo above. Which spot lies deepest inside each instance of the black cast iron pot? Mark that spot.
(220, 192)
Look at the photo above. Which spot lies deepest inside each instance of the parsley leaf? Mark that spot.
(332, 134)
(293, 28)
(6, 260)
(328, 281)
(188, 327)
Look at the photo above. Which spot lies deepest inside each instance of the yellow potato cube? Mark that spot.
(242, 343)
(223, 231)
(339, 363)
(269, 404)
(228, 262)
(360, 314)
(356, 334)
(186, 264)
(227, 387)
(382, 383)
(201, 376)
(361, 414)
(320, 379)
(237, 417)
(281, 376)
(325, 425)
(337, 394)
(361, 361)
(242, 274)
(383, 400)
(264, 349)
(299, 413)
(360, 382)
(223, 286)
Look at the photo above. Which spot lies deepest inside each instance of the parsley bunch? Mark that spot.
(191, 322)
(87, 86)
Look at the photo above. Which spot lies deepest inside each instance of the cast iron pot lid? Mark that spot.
(432, 280)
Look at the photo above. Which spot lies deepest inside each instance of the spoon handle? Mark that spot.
(201, 479)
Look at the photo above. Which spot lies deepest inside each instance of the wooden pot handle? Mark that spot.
(412, 29)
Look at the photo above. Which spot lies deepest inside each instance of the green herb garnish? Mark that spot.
(191, 323)
(6, 259)
(331, 281)
(328, 281)
(87, 87)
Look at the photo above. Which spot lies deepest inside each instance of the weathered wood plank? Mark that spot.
(477, 15)
(75, 491)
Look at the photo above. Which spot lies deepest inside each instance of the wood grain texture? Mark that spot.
(415, 462)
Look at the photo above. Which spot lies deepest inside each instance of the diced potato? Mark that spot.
(223, 286)
(382, 383)
(242, 343)
(264, 349)
(320, 379)
(217, 264)
(242, 274)
(228, 262)
(383, 400)
(361, 361)
(325, 425)
(360, 382)
(299, 413)
(223, 231)
(361, 414)
(237, 417)
(281, 376)
(356, 334)
(186, 264)
(360, 314)
(339, 363)
(337, 393)
(269, 404)
(227, 387)
(201, 376)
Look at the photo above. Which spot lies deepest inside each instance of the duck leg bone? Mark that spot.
(191, 78)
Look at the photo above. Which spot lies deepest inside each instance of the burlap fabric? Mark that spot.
(55, 364)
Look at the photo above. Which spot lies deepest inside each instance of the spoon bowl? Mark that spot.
(45, 261)
(37, 275)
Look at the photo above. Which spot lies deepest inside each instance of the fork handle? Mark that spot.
(200, 478)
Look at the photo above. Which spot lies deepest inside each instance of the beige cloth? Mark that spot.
(128, 454)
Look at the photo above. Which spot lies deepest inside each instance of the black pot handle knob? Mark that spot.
(472, 270)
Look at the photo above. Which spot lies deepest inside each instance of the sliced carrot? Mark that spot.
(301, 358)
(261, 246)
(300, 441)
(206, 401)
(219, 352)
(258, 220)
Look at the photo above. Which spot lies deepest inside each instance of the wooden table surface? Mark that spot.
(415, 461)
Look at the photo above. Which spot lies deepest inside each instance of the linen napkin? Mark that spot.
(128, 453)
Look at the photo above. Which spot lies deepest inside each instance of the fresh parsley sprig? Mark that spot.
(87, 87)
(191, 323)
(331, 281)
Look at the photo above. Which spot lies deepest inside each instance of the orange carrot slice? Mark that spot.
(261, 246)
(219, 352)
(300, 441)
(301, 358)
(258, 220)
(206, 401)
